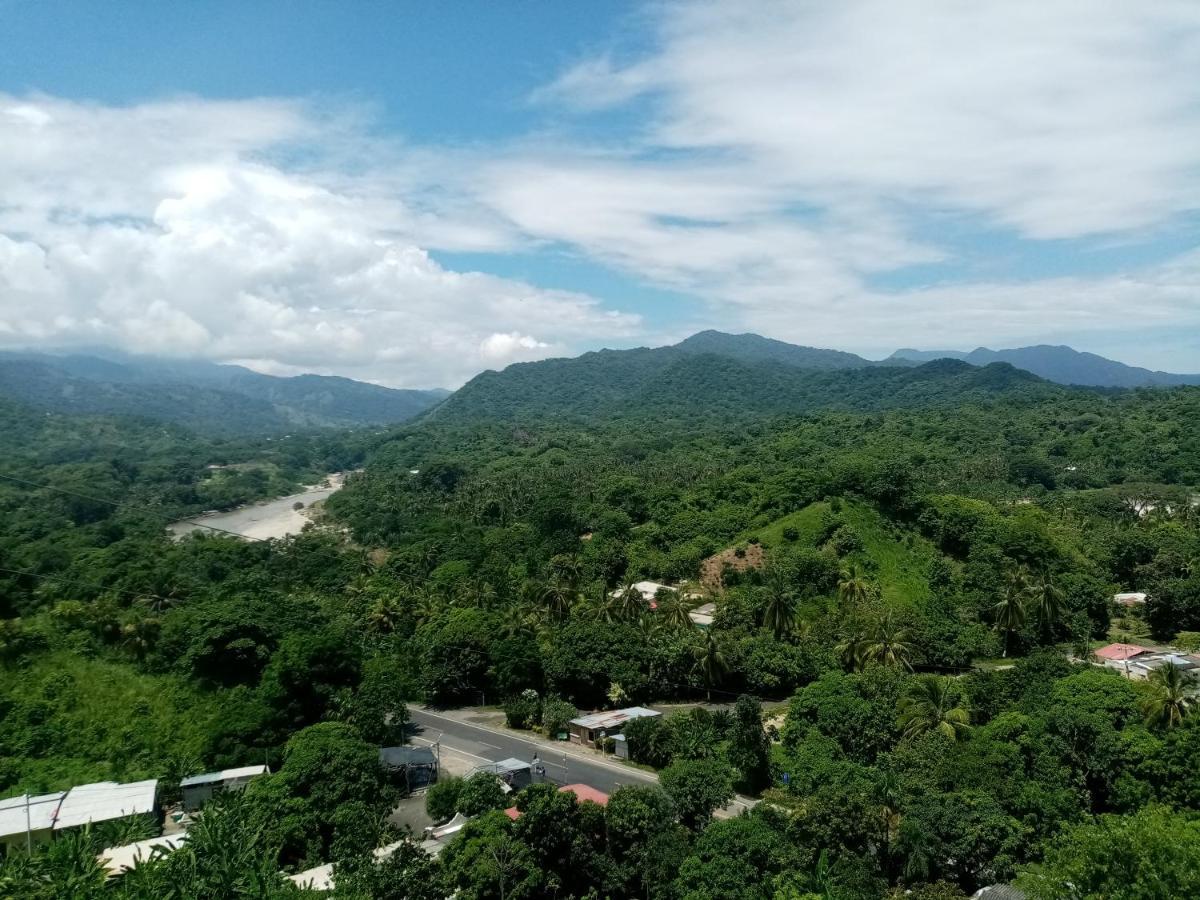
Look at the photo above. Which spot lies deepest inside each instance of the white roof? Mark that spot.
(614, 717)
(223, 775)
(647, 589)
(42, 808)
(1130, 597)
(105, 800)
(320, 878)
(120, 859)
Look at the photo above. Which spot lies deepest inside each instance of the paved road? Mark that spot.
(486, 745)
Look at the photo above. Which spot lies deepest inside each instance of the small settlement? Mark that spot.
(1134, 661)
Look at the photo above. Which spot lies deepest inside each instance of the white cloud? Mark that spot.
(175, 228)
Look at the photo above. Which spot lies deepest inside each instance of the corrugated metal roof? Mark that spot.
(223, 775)
(106, 800)
(613, 718)
(1118, 652)
(42, 808)
(119, 859)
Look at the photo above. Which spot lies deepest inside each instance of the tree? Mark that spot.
(441, 800)
(407, 873)
(1010, 611)
(1048, 603)
(749, 746)
(674, 609)
(377, 705)
(697, 787)
(487, 860)
(853, 587)
(1170, 696)
(635, 817)
(889, 643)
(710, 661)
(1153, 853)
(480, 793)
(781, 609)
(932, 703)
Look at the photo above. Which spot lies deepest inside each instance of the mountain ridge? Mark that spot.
(200, 394)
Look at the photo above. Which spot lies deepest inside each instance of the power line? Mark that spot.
(118, 505)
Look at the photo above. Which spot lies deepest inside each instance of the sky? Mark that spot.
(410, 193)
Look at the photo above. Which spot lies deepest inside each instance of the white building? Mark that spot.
(37, 818)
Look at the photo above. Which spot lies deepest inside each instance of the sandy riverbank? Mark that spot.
(270, 519)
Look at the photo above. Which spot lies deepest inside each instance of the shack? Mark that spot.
(27, 819)
(587, 730)
(414, 767)
(199, 789)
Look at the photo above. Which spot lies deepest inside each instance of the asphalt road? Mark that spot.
(491, 746)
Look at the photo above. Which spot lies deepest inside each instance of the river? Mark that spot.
(270, 519)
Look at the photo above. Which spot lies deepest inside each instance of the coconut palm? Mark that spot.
(1048, 602)
(138, 637)
(931, 703)
(889, 643)
(1011, 610)
(853, 586)
(384, 614)
(852, 648)
(781, 608)
(710, 661)
(629, 604)
(1171, 695)
(674, 609)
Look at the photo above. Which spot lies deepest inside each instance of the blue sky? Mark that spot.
(410, 193)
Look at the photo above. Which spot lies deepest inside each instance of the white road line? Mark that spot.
(456, 750)
(624, 770)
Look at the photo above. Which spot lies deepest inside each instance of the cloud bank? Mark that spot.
(863, 175)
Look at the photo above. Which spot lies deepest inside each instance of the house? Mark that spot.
(514, 774)
(648, 589)
(1115, 656)
(38, 818)
(199, 789)
(416, 767)
(587, 730)
(1129, 598)
(119, 860)
(1142, 666)
(702, 616)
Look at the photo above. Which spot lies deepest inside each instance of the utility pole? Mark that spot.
(28, 829)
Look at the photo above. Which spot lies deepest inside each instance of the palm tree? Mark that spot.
(930, 703)
(1171, 695)
(781, 610)
(852, 648)
(138, 637)
(1010, 611)
(889, 643)
(629, 604)
(1048, 602)
(674, 609)
(853, 586)
(711, 661)
(384, 614)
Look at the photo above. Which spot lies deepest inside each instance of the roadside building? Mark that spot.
(414, 767)
(584, 793)
(199, 789)
(32, 819)
(587, 730)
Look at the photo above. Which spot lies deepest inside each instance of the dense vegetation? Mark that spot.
(915, 568)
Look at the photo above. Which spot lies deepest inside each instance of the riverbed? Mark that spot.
(270, 519)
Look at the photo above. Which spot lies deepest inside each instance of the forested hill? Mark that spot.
(1060, 364)
(203, 396)
(669, 383)
(753, 348)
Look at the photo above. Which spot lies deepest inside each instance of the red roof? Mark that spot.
(586, 792)
(1120, 652)
(513, 813)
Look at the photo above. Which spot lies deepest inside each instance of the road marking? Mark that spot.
(624, 770)
(455, 750)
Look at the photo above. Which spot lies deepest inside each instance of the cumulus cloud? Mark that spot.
(178, 228)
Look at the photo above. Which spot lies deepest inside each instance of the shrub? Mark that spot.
(523, 710)
(556, 716)
(442, 799)
(480, 793)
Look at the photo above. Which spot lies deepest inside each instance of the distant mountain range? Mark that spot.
(202, 395)
(728, 376)
(1057, 363)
